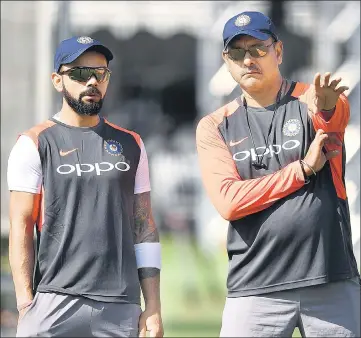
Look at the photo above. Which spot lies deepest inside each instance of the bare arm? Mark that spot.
(24, 209)
(145, 231)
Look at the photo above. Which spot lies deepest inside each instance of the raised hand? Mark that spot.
(325, 93)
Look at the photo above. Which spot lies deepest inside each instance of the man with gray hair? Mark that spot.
(273, 164)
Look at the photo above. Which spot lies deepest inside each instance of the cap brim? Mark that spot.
(256, 34)
(96, 46)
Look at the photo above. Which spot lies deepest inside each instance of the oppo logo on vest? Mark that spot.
(85, 168)
(271, 150)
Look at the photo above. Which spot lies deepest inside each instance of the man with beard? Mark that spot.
(84, 183)
(273, 165)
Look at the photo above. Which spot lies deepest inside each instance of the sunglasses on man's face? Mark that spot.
(257, 51)
(84, 74)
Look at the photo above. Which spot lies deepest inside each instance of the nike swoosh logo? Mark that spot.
(232, 144)
(64, 153)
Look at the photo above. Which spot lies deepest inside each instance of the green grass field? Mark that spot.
(192, 297)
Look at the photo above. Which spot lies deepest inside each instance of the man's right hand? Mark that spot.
(315, 157)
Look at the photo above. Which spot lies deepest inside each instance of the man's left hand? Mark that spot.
(151, 320)
(326, 93)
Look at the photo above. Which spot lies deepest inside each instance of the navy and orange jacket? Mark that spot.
(282, 234)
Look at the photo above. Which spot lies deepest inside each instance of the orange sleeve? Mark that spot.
(339, 119)
(337, 125)
(34, 132)
(233, 197)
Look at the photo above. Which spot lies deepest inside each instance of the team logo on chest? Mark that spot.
(291, 127)
(113, 148)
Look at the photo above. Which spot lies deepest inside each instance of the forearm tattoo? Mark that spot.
(145, 230)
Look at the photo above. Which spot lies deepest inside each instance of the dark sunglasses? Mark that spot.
(238, 54)
(84, 74)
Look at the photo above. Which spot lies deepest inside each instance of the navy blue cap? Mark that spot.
(254, 24)
(70, 49)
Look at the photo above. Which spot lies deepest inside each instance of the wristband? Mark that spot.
(306, 164)
(24, 305)
(148, 255)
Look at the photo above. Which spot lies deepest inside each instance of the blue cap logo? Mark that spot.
(85, 40)
(250, 23)
(242, 20)
(70, 49)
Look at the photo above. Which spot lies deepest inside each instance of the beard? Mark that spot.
(84, 108)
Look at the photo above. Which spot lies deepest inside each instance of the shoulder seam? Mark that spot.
(299, 89)
(133, 133)
(225, 111)
(35, 131)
